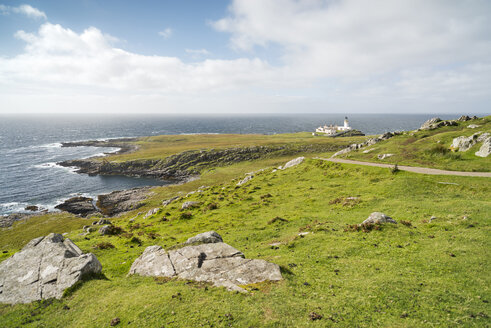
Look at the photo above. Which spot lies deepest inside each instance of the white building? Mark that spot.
(330, 130)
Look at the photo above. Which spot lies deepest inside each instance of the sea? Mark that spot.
(30, 147)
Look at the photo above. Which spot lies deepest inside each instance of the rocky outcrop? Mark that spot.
(369, 142)
(465, 118)
(170, 200)
(78, 205)
(125, 145)
(464, 143)
(218, 263)
(378, 218)
(183, 166)
(43, 269)
(122, 201)
(435, 123)
(485, 149)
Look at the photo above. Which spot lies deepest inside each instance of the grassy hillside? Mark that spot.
(415, 274)
(431, 148)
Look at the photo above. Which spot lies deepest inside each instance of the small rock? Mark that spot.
(368, 150)
(473, 126)
(301, 234)
(432, 218)
(189, 204)
(206, 238)
(378, 218)
(245, 180)
(384, 156)
(101, 222)
(105, 230)
(32, 208)
(151, 212)
(168, 201)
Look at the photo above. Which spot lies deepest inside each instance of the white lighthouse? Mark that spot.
(332, 130)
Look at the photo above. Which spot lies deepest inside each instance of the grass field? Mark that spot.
(417, 274)
(431, 149)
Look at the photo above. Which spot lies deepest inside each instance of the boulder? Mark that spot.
(151, 212)
(78, 205)
(32, 208)
(428, 124)
(483, 137)
(464, 143)
(485, 148)
(245, 180)
(464, 118)
(208, 237)
(217, 262)
(168, 201)
(294, 162)
(101, 222)
(378, 218)
(189, 204)
(43, 269)
(384, 156)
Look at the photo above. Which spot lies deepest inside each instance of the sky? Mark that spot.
(245, 56)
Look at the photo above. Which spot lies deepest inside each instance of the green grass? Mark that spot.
(431, 149)
(427, 274)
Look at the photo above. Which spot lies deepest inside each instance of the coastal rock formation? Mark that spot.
(123, 144)
(78, 205)
(435, 123)
(122, 201)
(465, 118)
(216, 262)
(485, 149)
(378, 218)
(43, 269)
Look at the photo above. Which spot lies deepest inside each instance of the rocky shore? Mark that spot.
(123, 144)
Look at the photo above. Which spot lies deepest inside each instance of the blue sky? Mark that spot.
(239, 56)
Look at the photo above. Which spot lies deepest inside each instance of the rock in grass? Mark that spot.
(43, 269)
(189, 204)
(170, 200)
(151, 212)
(384, 156)
(485, 148)
(245, 180)
(464, 143)
(293, 162)
(378, 218)
(218, 263)
(208, 237)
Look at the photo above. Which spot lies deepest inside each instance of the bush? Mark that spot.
(103, 245)
(185, 215)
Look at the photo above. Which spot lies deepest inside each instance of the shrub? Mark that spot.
(185, 215)
(394, 169)
(277, 219)
(406, 223)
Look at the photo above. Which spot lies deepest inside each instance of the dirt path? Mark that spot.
(422, 170)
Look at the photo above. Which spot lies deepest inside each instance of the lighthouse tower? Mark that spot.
(346, 124)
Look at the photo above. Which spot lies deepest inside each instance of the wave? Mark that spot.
(51, 165)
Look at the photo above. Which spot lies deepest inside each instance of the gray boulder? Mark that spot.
(485, 148)
(43, 269)
(428, 124)
(218, 263)
(151, 212)
(294, 162)
(122, 201)
(378, 218)
(384, 156)
(78, 205)
(189, 204)
(464, 143)
(208, 237)
(473, 126)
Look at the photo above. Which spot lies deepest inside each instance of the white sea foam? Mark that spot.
(51, 165)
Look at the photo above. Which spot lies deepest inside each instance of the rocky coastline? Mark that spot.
(123, 144)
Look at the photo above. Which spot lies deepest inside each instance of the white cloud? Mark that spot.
(198, 52)
(379, 55)
(167, 33)
(27, 10)
(357, 37)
